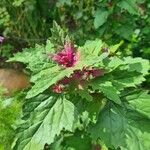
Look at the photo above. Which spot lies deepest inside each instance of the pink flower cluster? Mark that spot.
(67, 57)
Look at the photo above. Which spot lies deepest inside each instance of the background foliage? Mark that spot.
(27, 22)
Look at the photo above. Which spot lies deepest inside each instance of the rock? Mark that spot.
(13, 80)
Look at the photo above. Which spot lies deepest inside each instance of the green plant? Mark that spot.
(83, 93)
(10, 110)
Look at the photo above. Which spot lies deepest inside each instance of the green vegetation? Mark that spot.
(89, 74)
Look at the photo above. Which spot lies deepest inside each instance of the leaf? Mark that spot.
(130, 6)
(100, 17)
(10, 113)
(79, 141)
(93, 47)
(91, 53)
(114, 48)
(123, 73)
(126, 31)
(124, 79)
(117, 129)
(47, 120)
(46, 78)
(114, 62)
(49, 48)
(84, 94)
(94, 107)
(140, 102)
(110, 92)
(35, 58)
(107, 89)
(58, 35)
(137, 64)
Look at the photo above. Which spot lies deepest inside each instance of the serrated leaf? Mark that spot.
(100, 17)
(79, 141)
(35, 58)
(93, 47)
(140, 102)
(91, 53)
(137, 64)
(46, 121)
(129, 5)
(49, 48)
(84, 94)
(107, 89)
(47, 78)
(124, 79)
(58, 35)
(114, 62)
(94, 107)
(110, 92)
(116, 129)
(44, 72)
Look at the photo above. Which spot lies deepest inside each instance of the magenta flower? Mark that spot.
(79, 77)
(67, 57)
(1, 39)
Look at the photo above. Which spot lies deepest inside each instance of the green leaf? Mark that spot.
(140, 102)
(114, 48)
(123, 73)
(79, 141)
(91, 53)
(58, 35)
(93, 47)
(114, 62)
(123, 79)
(117, 129)
(129, 5)
(49, 48)
(107, 89)
(125, 31)
(46, 121)
(84, 94)
(137, 64)
(46, 78)
(35, 58)
(100, 17)
(94, 107)
(110, 92)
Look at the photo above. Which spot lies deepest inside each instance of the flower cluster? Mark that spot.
(80, 77)
(68, 57)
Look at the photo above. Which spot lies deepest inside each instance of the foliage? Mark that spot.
(83, 93)
(10, 110)
(28, 22)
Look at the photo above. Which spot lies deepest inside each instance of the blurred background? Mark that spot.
(26, 22)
